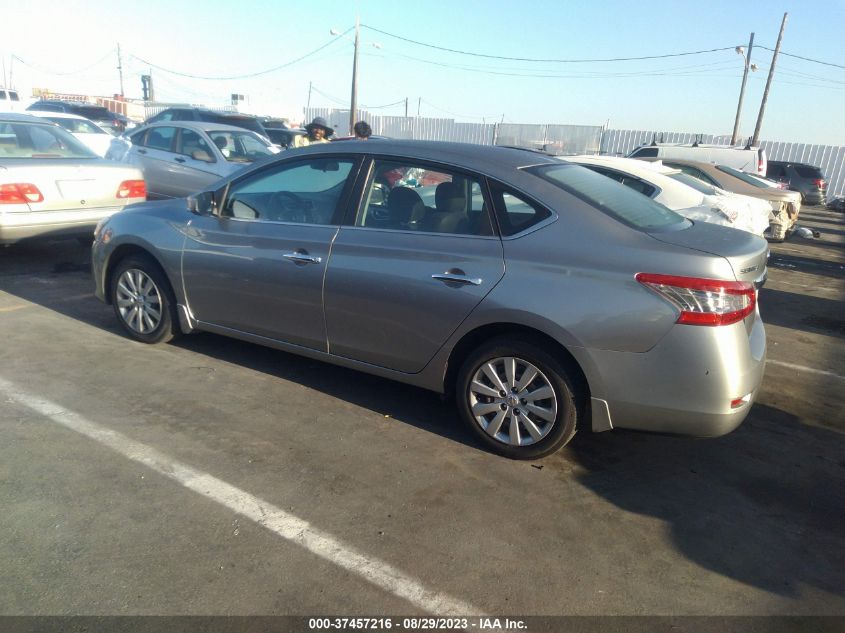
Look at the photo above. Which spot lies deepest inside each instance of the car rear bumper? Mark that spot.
(686, 384)
(19, 226)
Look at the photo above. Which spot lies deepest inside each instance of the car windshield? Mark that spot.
(611, 197)
(240, 146)
(695, 183)
(746, 178)
(33, 140)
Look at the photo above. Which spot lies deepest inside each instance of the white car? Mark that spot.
(688, 196)
(95, 137)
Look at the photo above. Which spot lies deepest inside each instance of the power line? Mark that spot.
(70, 72)
(530, 59)
(248, 75)
(389, 105)
(806, 59)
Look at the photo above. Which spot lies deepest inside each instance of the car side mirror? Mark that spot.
(201, 203)
(201, 154)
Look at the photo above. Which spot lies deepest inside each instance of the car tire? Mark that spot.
(540, 408)
(143, 300)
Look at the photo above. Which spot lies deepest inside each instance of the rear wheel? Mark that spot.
(518, 399)
(143, 301)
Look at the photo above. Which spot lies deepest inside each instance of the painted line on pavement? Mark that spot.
(807, 369)
(290, 527)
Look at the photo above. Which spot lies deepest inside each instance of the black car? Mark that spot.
(246, 121)
(806, 179)
(102, 116)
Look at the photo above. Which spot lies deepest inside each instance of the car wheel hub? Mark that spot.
(512, 401)
(138, 301)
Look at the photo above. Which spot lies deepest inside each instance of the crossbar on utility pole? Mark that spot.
(742, 89)
(756, 138)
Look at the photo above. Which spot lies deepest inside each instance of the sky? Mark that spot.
(202, 51)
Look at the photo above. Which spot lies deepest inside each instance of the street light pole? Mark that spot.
(742, 89)
(354, 105)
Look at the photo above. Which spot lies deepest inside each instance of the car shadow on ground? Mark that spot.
(763, 505)
(809, 265)
(802, 312)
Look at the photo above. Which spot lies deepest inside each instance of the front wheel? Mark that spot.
(143, 301)
(518, 399)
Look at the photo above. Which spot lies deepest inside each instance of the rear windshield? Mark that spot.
(746, 178)
(806, 171)
(94, 112)
(248, 123)
(34, 140)
(695, 183)
(609, 196)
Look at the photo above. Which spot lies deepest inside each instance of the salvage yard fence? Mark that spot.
(577, 139)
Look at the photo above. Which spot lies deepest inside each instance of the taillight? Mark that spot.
(20, 193)
(132, 189)
(704, 301)
(819, 182)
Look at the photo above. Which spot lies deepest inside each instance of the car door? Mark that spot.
(154, 154)
(257, 265)
(418, 256)
(194, 164)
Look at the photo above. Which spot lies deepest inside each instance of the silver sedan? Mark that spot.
(181, 157)
(544, 296)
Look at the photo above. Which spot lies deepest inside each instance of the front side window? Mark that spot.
(408, 196)
(612, 198)
(160, 138)
(692, 171)
(746, 178)
(305, 192)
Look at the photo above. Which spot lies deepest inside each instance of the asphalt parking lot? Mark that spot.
(214, 477)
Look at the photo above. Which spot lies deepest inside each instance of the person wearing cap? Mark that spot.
(318, 132)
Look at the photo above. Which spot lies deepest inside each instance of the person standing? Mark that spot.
(362, 130)
(318, 132)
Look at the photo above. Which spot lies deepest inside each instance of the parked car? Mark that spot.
(100, 115)
(95, 137)
(179, 158)
(10, 100)
(808, 180)
(51, 184)
(544, 296)
(786, 205)
(691, 198)
(750, 159)
(245, 121)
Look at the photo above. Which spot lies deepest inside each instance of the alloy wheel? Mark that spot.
(139, 301)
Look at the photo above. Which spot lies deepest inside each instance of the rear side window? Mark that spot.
(806, 171)
(612, 198)
(160, 138)
(515, 212)
(645, 152)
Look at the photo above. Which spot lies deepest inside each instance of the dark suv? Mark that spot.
(806, 179)
(100, 115)
(246, 121)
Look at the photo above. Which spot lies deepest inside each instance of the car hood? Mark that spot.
(746, 253)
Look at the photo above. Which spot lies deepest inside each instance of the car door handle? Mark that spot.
(457, 279)
(179, 159)
(303, 258)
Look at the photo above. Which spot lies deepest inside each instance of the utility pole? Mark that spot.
(756, 138)
(308, 107)
(406, 107)
(419, 103)
(742, 88)
(120, 68)
(4, 79)
(354, 106)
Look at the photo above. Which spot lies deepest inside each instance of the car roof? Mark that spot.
(490, 158)
(44, 114)
(14, 117)
(204, 126)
